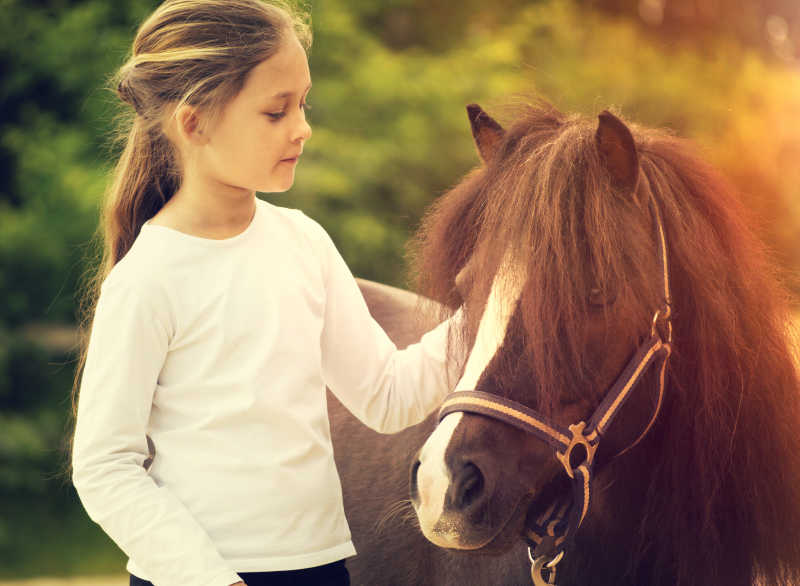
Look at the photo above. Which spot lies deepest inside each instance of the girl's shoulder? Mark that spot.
(293, 216)
(140, 268)
(302, 224)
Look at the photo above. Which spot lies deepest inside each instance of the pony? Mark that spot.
(573, 243)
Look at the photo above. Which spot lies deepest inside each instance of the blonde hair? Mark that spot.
(195, 52)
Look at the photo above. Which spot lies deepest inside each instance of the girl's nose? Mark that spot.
(303, 130)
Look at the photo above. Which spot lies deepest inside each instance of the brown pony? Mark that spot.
(552, 248)
(560, 244)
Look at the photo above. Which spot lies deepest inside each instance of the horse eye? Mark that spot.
(600, 298)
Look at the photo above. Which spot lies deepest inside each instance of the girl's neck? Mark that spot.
(218, 214)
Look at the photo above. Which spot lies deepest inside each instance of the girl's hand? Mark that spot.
(239, 584)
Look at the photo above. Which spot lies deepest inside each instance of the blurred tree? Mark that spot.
(434, 25)
(53, 133)
(391, 80)
(771, 25)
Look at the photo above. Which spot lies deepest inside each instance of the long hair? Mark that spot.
(196, 52)
(718, 478)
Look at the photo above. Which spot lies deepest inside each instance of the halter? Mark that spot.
(551, 532)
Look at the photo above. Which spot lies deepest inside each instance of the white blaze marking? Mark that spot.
(433, 476)
(492, 328)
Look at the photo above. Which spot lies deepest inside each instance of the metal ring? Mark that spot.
(539, 564)
(554, 562)
(655, 321)
(538, 578)
(578, 439)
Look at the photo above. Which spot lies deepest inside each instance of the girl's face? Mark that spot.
(256, 142)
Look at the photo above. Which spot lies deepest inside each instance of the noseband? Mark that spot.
(575, 446)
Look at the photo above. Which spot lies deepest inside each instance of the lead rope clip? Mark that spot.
(540, 565)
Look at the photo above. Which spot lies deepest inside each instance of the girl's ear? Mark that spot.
(485, 130)
(189, 125)
(617, 151)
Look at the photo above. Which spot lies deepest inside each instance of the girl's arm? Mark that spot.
(386, 388)
(127, 347)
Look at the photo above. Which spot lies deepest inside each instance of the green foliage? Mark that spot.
(42, 242)
(390, 133)
(34, 407)
(51, 136)
(21, 377)
(52, 537)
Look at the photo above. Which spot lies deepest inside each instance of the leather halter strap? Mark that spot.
(550, 533)
(562, 439)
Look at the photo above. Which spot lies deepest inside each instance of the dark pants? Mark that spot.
(334, 574)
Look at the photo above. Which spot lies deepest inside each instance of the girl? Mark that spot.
(220, 319)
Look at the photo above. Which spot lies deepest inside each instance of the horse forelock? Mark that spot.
(546, 200)
(732, 399)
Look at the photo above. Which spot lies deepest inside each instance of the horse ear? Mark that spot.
(485, 130)
(617, 151)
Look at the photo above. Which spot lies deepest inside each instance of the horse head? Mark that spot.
(572, 249)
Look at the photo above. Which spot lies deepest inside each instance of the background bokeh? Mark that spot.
(391, 79)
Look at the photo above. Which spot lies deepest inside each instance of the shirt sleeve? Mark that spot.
(127, 348)
(386, 388)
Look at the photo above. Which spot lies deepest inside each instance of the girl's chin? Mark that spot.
(277, 186)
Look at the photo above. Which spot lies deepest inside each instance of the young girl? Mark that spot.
(220, 319)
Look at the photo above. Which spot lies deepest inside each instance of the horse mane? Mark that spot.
(723, 487)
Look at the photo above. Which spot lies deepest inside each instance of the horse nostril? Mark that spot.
(413, 480)
(467, 486)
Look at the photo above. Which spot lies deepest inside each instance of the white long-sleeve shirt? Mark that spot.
(220, 351)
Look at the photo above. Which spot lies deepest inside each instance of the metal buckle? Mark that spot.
(667, 314)
(577, 439)
(540, 565)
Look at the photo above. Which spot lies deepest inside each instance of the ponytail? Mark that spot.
(145, 178)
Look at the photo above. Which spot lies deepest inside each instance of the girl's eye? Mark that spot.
(276, 115)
